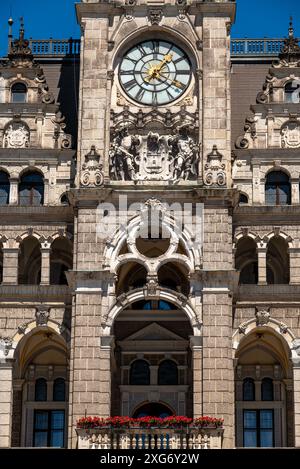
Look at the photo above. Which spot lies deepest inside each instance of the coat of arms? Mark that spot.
(16, 136)
(291, 135)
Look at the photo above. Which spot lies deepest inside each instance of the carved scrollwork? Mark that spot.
(214, 169)
(290, 134)
(92, 175)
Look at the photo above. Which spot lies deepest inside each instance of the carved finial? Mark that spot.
(22, 31)
(10, 36)
(291, 28)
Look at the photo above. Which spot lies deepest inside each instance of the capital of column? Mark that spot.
(106, 342)
(196, 342)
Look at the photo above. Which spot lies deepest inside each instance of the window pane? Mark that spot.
(249, 419)
(248, 390)
(57, 438)
(267, 389)
(41, 389)
(59, 389)
(140, 373)
(4, 191)
(266, 438)
(250, 438)
(41, 420)
(168, 373)
(266, 419)
(57, 420)
(40, 439)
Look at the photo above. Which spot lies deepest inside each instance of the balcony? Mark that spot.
(150, 438)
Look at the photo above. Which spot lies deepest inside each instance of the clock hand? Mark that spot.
(176, 83)
(153, 70)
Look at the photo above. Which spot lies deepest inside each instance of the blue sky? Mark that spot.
(56, 18)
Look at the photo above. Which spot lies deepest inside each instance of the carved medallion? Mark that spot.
(16, 135)
(290, 135)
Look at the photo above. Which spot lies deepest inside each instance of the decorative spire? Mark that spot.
(10, 36)
(290, 52)
(20, 54)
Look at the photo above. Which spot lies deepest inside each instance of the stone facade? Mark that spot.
(101, 320)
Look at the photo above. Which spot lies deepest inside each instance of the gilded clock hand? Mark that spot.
(154, 70)
(176, 83)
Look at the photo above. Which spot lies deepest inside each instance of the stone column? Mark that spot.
(17, 412)
(296, 376)
(294, 266)
(196, 344)
(262, 264)
(6, 401)
(45, 268)
(10, 265)
(218, 365)
(106, 343)
(13, 193)
(289, 412)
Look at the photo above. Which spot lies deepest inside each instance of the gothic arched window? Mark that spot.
(278, 189)
(140, 373)
(41, 389)
(31, 189)
(4, 188)
(59, 390)
(168, 373)
(267, 391)
(248, 389)
(243, 199)
(19, 93)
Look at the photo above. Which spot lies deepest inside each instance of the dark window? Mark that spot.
(58, 273)
(59, 390)
(249, 274)
(248, 389)
(278, 189)
(19, 93)
(258, 428)
(140, 373)
(267, 392)
(292, 92)
(64, 200)
(31, 189)
(4, 188)
(41, 389)
(243, 199)
(168, 373)
(49, 428)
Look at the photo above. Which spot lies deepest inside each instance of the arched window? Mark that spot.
(64, 200)
(19, 93)
(41, 389)
(29, 262)
(243, 199)
(278, 189)
(292, 92)
(140, 373)
(168, 373)
(246, 261)
(31, 189)
(278, 261)
(248, 389)
(267, 392)
(60, 261)
(59, 390)
(4, 188)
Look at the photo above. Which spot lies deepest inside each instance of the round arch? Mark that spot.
(171, 296)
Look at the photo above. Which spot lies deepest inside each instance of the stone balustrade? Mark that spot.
(150, 438)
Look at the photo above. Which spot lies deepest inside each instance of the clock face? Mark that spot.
(155, 72)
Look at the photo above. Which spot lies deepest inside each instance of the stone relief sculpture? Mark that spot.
(154, 157)
(16, 135)
(290, 135)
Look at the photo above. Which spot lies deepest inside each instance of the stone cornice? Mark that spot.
(278, 109)
(255, 155)
(16, 214)
(43, 155)
(22, 294)
(278, 295)
(266, 215)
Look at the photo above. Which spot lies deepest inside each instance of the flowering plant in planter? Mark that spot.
(173, 421)
(206, 421)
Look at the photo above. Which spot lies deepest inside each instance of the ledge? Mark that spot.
(16, 214)
(249, 215)
(278, 294)
(35, 293)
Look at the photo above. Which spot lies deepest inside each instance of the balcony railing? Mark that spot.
(153, 438)
(243, 47)
(55, 47)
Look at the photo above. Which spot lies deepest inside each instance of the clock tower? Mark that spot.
(154, 130)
